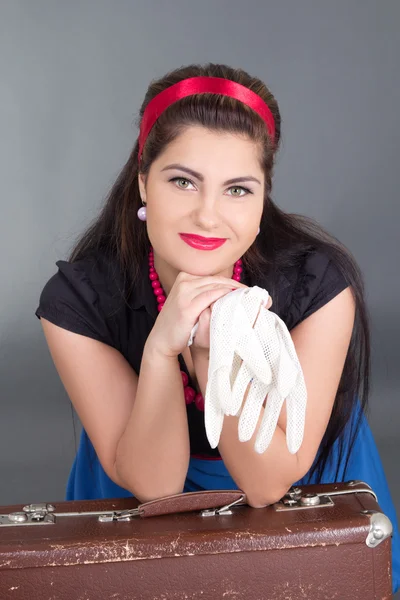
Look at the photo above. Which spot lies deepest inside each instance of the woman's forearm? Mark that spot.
(153, 452)
(266, 477)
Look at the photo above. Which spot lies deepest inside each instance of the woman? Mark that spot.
(117, 316)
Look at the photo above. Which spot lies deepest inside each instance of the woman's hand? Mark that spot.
(189, 297)
(201, 342)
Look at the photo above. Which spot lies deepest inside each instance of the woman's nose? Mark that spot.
(207, 212)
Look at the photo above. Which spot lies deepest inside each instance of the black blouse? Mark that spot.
(86, 297)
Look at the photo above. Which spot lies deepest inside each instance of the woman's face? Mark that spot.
(203, 202)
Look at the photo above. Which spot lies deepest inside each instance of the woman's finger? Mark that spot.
(210, 279)
(211, 287)
(206, 298)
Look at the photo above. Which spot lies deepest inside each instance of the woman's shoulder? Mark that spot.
(313, 279)
(85, 296)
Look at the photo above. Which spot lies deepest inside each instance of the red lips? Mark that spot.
(202, 243)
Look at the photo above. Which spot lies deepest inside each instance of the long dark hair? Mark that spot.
(283, 241)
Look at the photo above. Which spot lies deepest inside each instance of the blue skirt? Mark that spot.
(88, 480)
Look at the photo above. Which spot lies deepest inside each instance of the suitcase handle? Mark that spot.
(213, 502)
(218, 500)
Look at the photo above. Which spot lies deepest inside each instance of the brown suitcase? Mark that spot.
(319, 542)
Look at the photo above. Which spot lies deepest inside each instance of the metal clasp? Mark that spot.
(223, 510)
(45, 514)
(123, 515)
(295, 499)
(31, 514)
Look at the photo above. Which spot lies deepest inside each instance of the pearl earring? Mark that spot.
(142, 212)
(258, 231)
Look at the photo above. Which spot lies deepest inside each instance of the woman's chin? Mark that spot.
(202, 263)
(206, 271)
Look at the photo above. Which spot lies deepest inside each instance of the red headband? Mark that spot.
(201, 85)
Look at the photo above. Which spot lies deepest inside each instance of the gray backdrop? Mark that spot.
(72, 77)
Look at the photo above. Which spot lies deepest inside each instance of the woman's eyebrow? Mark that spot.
(200, 177)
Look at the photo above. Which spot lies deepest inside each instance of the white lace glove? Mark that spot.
(270, 363)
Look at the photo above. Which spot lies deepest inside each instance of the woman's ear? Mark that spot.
(142, 186)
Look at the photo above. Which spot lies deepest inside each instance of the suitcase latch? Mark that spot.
(295, 499)
(32, 514)
(45, 514)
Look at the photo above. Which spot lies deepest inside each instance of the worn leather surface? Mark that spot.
(316, 553)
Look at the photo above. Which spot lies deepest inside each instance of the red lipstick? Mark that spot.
(202, 243)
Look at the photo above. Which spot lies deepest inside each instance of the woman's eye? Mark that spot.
(243, 189)
(181, 179)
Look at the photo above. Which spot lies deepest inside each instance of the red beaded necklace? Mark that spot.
(190, 393)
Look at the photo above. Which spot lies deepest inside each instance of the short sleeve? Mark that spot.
(319, 280)
(77, 298)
